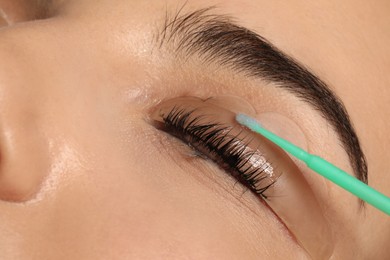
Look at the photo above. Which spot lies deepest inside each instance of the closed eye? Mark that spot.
(225, 145)
(253, 161)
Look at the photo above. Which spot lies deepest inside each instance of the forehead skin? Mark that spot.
(347, 44)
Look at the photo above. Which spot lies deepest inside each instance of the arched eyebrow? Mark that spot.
(216, 38)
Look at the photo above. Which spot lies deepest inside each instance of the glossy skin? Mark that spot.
(84, 174)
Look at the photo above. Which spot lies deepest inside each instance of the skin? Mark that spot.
(84, 175)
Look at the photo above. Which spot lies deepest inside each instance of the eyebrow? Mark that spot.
(216, 38)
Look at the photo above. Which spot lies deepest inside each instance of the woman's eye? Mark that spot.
(211, 129)
(229, 146)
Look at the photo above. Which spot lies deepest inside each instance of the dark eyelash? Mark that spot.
(217, 143)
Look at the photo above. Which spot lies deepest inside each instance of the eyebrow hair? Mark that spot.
(216, 38)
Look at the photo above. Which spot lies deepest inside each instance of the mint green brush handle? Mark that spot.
(349, 183)
(323, 167)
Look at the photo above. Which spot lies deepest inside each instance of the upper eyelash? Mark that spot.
(230, 151)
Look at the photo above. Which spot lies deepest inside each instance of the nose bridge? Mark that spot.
(24, 146)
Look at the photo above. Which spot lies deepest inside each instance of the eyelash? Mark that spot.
(215, 141)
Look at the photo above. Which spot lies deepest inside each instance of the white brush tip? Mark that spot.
(246, 120)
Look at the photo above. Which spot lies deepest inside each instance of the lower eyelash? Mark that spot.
(217, 143)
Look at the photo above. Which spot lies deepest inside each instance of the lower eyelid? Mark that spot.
(290, 197)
